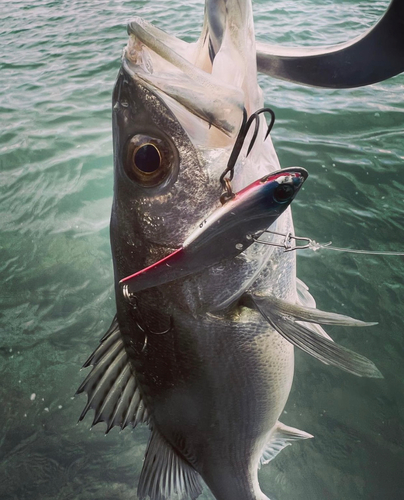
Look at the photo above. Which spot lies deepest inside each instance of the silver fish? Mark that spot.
(204, 356)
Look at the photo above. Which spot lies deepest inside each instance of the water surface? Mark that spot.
(58, 65)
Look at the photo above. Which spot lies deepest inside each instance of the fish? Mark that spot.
(209, 307)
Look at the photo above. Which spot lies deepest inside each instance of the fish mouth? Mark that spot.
(183, 76)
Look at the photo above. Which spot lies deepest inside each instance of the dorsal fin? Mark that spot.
(111, 386)
(165, 475)
(281, 437)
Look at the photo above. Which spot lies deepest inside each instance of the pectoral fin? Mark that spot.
(165, 475)
(305, 298)
(373, 57)
(314, 343)
(111, 387)
(281, 437)
(299, 312)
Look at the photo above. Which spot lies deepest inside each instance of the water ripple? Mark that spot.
(58, 68)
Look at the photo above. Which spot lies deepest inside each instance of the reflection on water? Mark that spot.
(57, 75)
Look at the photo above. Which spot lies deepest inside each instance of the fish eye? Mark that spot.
(149, 161)
(284, 193)
(147, 158)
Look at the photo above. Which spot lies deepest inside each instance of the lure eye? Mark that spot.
(284, 193)
(149, 161)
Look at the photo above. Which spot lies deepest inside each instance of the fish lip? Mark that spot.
(132, 69)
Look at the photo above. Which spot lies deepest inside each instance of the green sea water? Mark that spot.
(58, 63)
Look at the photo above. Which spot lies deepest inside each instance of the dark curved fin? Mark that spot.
(316, 345)
(111, 387)
(373, 57)
(165, 475)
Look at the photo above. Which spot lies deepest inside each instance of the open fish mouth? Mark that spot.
(199, 99)
(212, 111)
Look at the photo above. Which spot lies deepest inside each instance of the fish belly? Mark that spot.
(235, 380)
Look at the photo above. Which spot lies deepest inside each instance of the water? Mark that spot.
(58, 65)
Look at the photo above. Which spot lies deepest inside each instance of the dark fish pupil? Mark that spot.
(147, 159)
(283, 193)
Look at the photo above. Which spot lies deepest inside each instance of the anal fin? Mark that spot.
(281, 437)
(111, 386)
(165, 475)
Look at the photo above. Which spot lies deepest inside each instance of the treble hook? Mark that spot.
(238, 145)
(141, 324)
(255, 116)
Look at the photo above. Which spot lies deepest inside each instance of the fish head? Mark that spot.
(161, 188)
(177, 110)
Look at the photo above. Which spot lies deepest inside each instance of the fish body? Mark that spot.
(205, 359)
(216, 383)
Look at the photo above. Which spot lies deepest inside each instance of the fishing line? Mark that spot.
(318, 246)
(290, 241)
